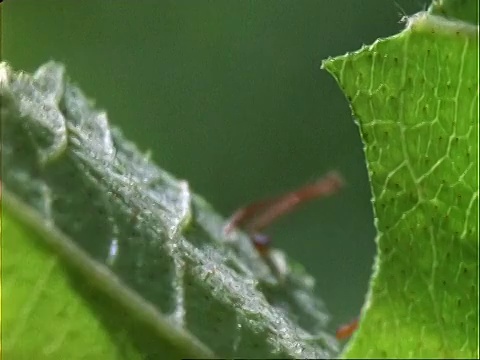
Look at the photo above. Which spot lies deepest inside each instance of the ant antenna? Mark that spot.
(401, 12)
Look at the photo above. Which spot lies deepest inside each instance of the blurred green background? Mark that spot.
(229, 95)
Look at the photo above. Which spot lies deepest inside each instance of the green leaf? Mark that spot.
(121, 260)
(45, 318)
(415, 96)
(465, 10)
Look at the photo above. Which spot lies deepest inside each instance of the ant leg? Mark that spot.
(260, 214)
(244, 215)
(347, 330)
(326, 186)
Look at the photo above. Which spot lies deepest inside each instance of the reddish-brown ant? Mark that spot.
(256, 216)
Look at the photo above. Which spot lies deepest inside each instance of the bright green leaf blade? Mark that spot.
(140, 237)
(49, 319)
(415, 96)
